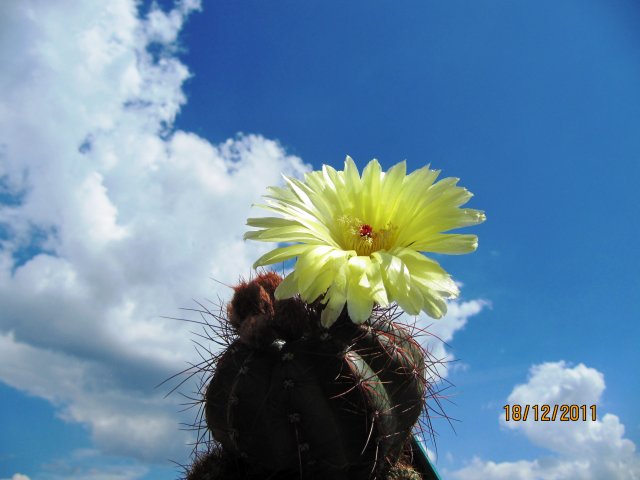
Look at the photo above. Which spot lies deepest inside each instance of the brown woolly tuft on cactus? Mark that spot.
(251, 313)
(259, 319)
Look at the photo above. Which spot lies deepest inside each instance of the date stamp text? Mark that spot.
(550, 413)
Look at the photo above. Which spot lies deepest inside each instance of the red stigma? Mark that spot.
(366, 230)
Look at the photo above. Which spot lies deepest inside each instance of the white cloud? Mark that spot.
(18, 476)
(581, 450)
(112, 219)
(90, 464)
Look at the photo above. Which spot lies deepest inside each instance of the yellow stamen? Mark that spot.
(363, 237)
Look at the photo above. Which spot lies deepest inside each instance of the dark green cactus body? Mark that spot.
(337, 403)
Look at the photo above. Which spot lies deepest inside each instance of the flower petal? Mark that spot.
(288, 287)
(395, 275)
(377, 288)
(352, 178)
(427, 272)
(434, 306)
(270, 222)
(293, 233)
(453, 244)
(336, 297)
(307, 220)
(281, 254)
(329, 316)
(313, 264)
(371, 181)
(359, 304)
(439, 222)
(389, 193)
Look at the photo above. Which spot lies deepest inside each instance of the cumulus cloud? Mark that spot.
(582, 450)
(109, 218)
(18, 476)
(90, 464)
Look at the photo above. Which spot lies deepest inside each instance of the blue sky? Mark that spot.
(133, 141)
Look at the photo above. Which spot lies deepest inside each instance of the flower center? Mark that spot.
(366, 230)
(362, 237)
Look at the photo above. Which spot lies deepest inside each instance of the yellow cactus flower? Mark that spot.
(358, 238)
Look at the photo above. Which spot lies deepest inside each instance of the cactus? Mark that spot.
(289, 399)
